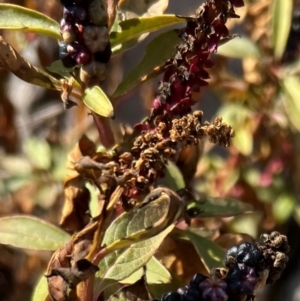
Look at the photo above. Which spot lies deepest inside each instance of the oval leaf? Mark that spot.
(281, 17)
(156, 273)
(11, 60)
(96, 100)
(240, 47)
(174, 177)
(121, 264)
(291, 99)
(144, 222)
(219, 207)
(211, 254)
(157, 53)
(41, 290)
(20, 18)
(31, 233)
(133, 28)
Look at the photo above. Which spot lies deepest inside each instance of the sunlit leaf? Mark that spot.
(243, 141)
(38, 152)
(157, 53)
(31, 233)
(281, 18)
(21, 18)
(156, 273)
(221, 207)
(144, 222)
(121, 264)
(210, 253)
(283, 207)
(133, 28)
(291, 100)
(41, 290)
(96, 100)
(239, 47)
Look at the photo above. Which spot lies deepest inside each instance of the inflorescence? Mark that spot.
(84, 30)
(248, 267)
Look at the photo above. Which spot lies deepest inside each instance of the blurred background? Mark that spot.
(253, 86)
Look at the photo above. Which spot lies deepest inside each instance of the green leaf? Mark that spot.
(157, 53)
(243, 141)
(41, 290)
(156, 273)
(121, 264)
(219, 207)
(57, 67)
(240, 48)
(281, 16)
(211, 254)
(144, 222)
(174, 177)
(96, 100)
(31, 233)
(21, 18)
(291, 99)
(283, 207)
(133, 28)
(38, 152)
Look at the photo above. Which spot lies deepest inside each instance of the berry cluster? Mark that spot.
(248, 267)
(85, 38)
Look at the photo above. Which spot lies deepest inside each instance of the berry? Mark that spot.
(245, 253)
(242, 279)
(66, 2)
(172, 296)
(65, 57)
(83, 57)
(103, 56)
(196, 280)
(214, 289)
(96, 38)
(97, 12)
(68, 33)
(74, 13)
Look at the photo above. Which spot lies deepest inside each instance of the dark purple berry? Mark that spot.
(197, 279)
(213, 289)
(172, 296)
(182, 290)
(74, 13)
(241, 280)
(103, 56)
(193, 294)
(65, 57)
(248, 254)
(83, 57)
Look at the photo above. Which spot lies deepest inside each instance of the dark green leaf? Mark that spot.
(291, 87)
(240, 47)
(133, 28)
(31, 233)
(157, 53)
(21, 18)
(173, 177)
(41, 290)
(211, 254)
(57, 67)
(96, 100)
(281, 18)
(221, 207)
